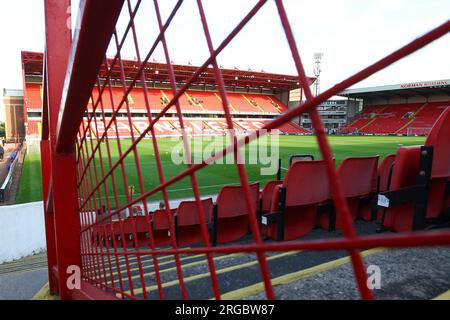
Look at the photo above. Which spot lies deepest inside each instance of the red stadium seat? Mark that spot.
(267, 194)
(359, 180)
(294, 204)
(160, 227)
(188, 223)
(230, 214)
(383, 178)
(383, 172)
(439, 139)
(422, 174)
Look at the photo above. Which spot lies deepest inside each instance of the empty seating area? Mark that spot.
(196, 106)
(425, 118)
(401, 119)
(361, 120)
(391, 119)
(169, 127)
(33, 95)
(292, 128)
(190, 101)
(34, 128)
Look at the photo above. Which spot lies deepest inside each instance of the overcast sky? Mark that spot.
(350, 33)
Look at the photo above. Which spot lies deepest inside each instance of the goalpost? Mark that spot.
(417, 131)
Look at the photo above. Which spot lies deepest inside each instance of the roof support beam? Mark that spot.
(90, 43)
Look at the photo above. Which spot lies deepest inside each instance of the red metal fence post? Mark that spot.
(63, 167)
(48, 216)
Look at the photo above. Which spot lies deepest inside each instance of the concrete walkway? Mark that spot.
(22, 279)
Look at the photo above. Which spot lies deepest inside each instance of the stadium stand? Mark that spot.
(193, 102)
(403, 109)
(33, 95)
(202, 109)
(396, 119)
(390, 119)
(34, 128)
(425, 118)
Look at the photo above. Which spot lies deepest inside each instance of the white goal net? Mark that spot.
(415, 131)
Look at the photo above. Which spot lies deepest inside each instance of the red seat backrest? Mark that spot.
(266, 194)
(187, 212)
(231, 201)
(439, 138)
(384, 169)
(306, 182)
(358, 175)
(406, 167)
(160, 220)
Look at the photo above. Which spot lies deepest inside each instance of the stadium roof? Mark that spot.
(404, 90)
(12, 92)
(157, 74)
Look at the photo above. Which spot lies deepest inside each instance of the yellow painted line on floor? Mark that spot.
(44, 294)
(133, 257)
(444, 296)
(143, 257)
(188, 265)
(292, 277)
(206, 275)
(123, 266)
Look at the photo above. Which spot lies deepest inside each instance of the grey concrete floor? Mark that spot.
(22, 279)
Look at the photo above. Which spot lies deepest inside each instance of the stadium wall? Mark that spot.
(22, 231)
(414, 99)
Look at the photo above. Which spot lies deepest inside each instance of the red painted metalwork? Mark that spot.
(63, 170)
(95, 223)
(32, 64)
(49, 216)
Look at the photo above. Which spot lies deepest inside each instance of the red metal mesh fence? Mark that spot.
(113, 250)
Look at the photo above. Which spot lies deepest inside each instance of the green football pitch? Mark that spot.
(211, 178)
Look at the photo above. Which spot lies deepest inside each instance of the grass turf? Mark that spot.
(30, 185)
(211, 178)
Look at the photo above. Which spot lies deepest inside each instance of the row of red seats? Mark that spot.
(34, 128)
(292, 128)
(169, 127)
(426, 117)
(423, 174)
(391, 119)
(291, 208)
(361, 120)
(395, 118)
